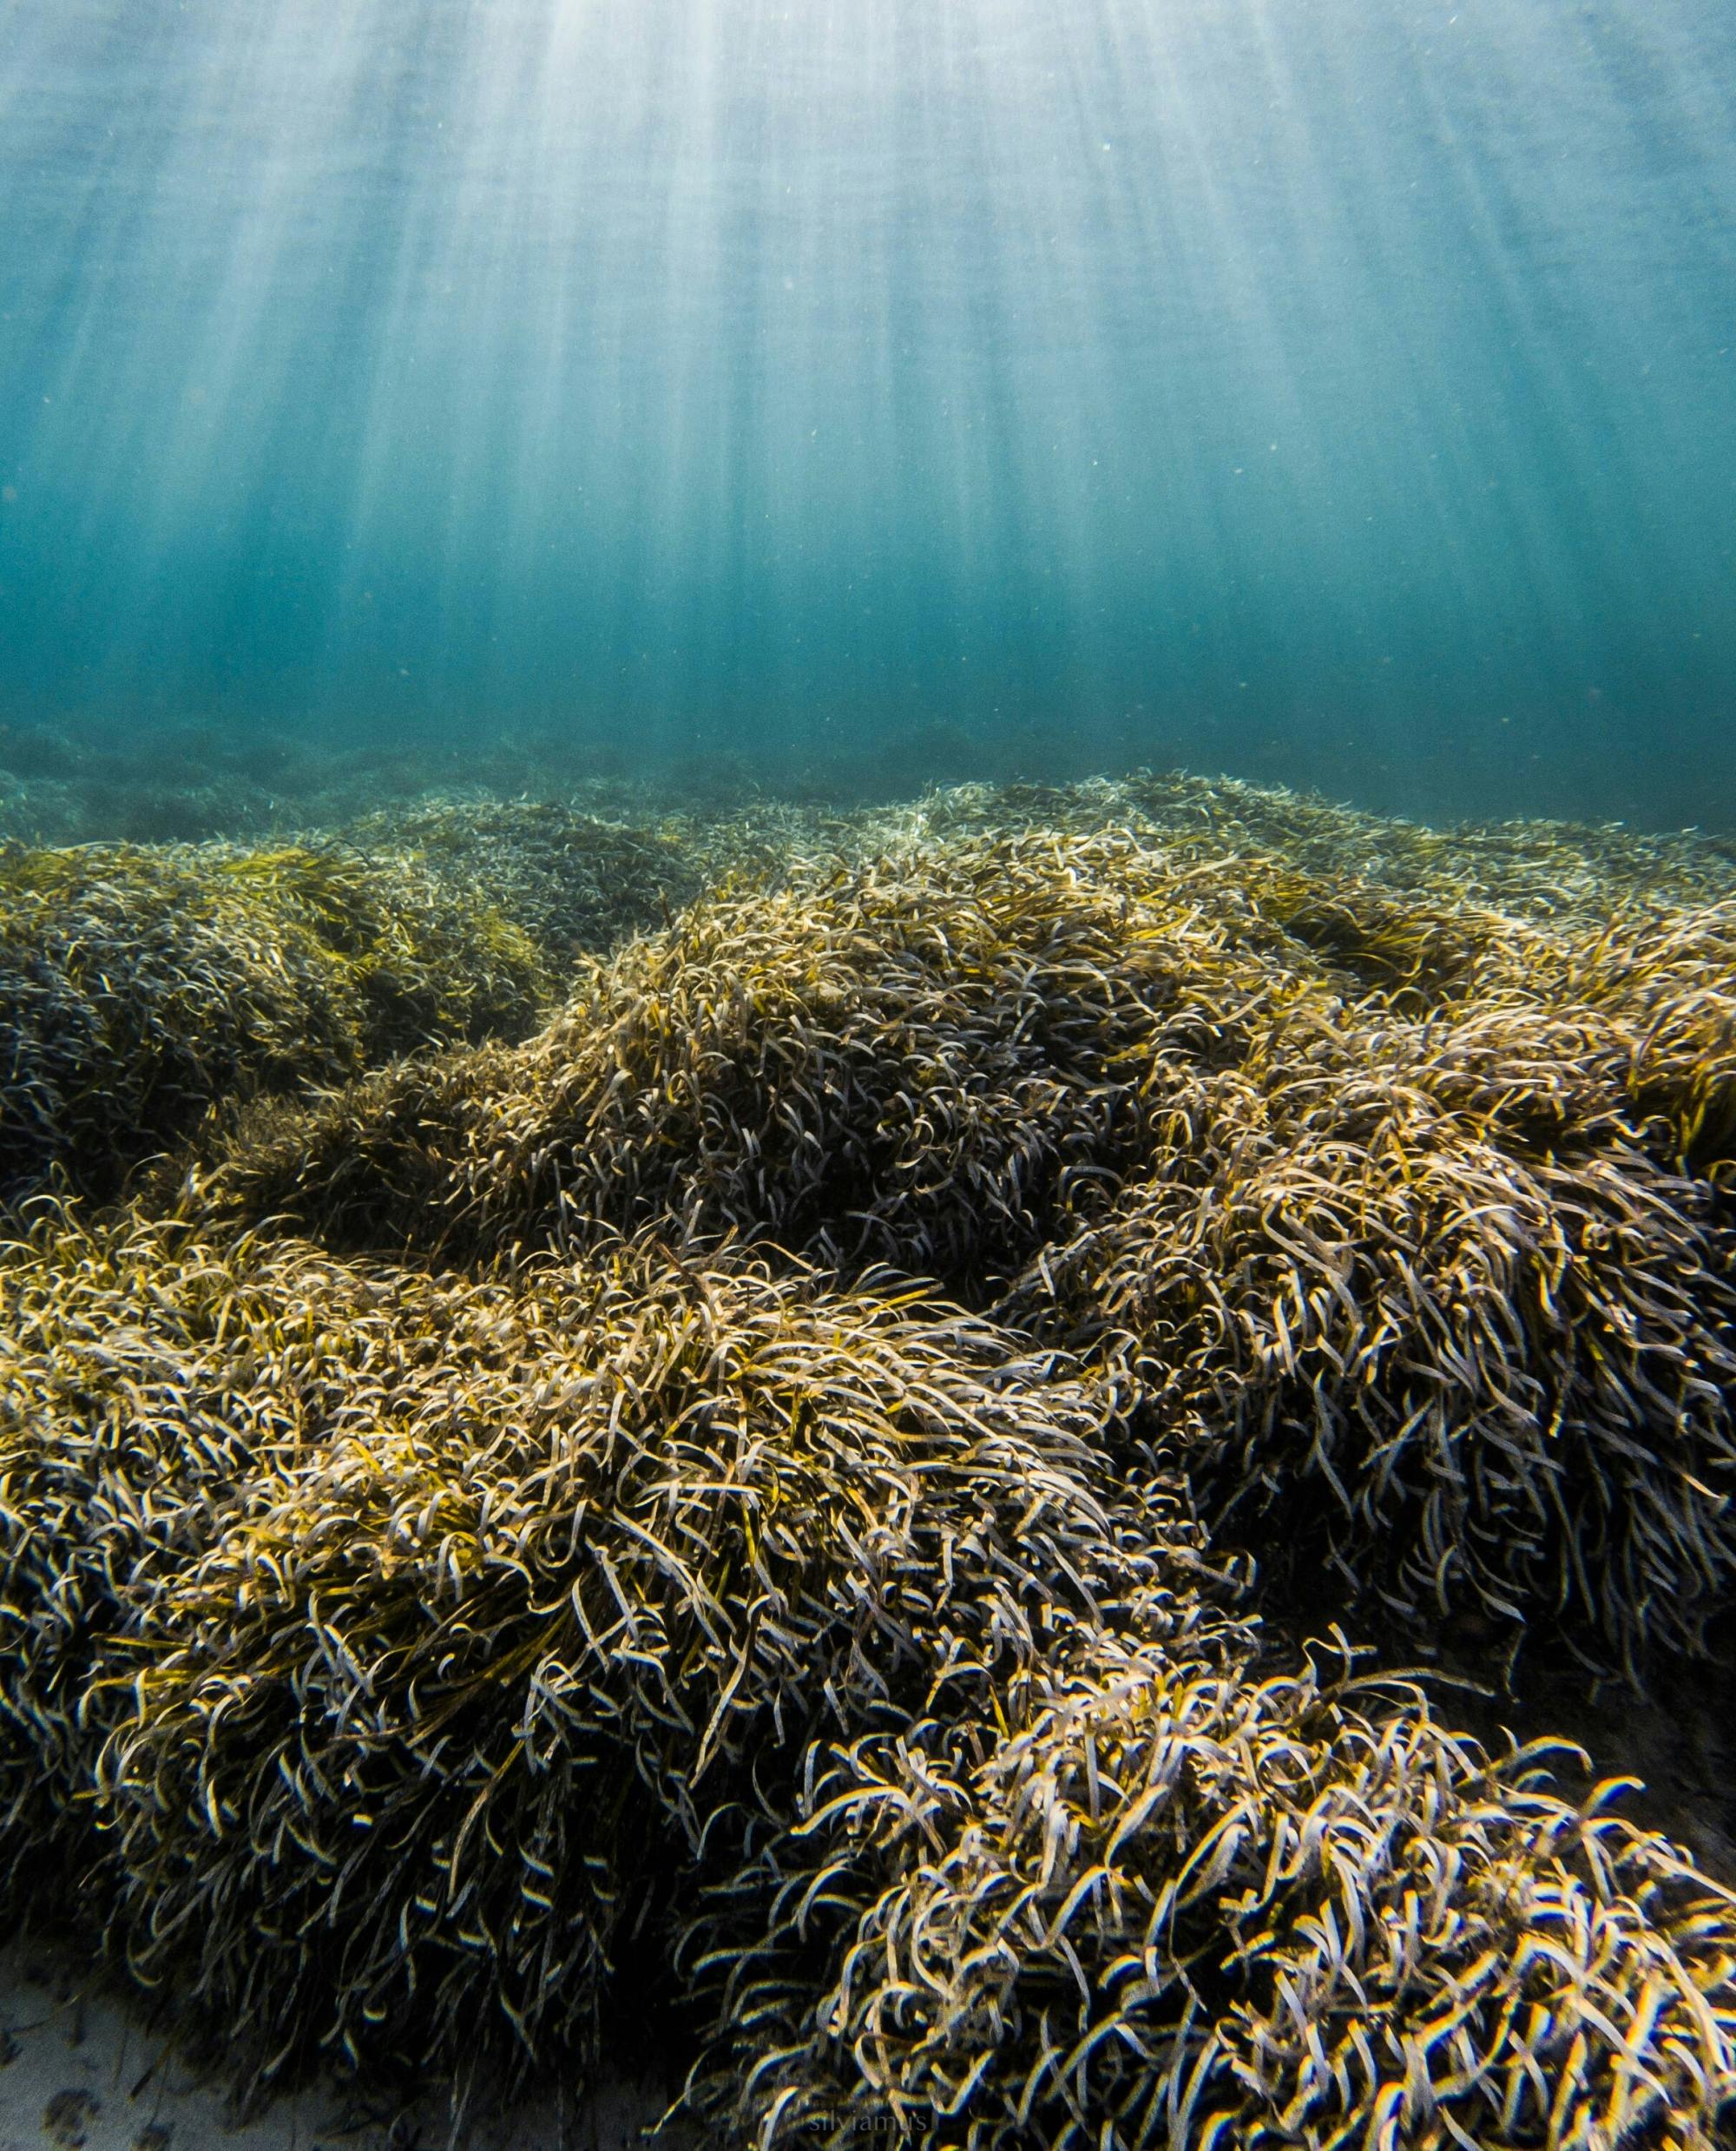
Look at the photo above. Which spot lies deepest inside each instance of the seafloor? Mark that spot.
(925, 1468)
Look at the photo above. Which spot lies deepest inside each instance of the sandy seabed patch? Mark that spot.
(82, 2069)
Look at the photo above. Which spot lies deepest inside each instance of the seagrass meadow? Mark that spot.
(962, 1463)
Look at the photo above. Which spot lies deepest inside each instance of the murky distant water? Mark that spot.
(1335, 391)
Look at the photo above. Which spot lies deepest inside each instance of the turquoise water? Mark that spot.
(1339, 391)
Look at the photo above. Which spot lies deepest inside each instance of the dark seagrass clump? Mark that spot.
(1667, 975)
(575, 881)
(931, 1060)
(1180, 1905)
(1432, 1329)
(145, 1370)
(476, 1611)
(139, 986)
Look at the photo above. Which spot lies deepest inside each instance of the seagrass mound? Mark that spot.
(1403, 1233)
(933, 1059)
(746, 1511)
(1433, 1330)
(1176, 1906)
(138, 987)
(430, 1671)
(1580, 874)
(383, 1651)
(583, 876)
(576, 881)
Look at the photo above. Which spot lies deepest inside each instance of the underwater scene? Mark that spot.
(868, 1075)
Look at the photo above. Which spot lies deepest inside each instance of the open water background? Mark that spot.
(1339, 391)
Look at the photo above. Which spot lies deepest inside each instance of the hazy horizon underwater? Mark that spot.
(867, 1074)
